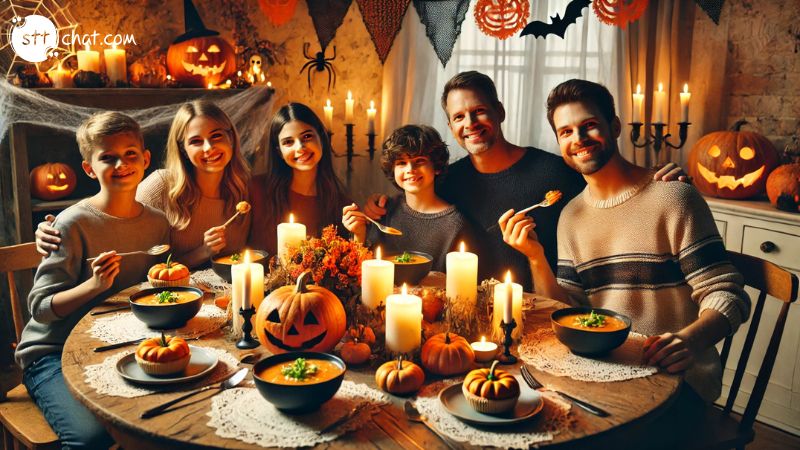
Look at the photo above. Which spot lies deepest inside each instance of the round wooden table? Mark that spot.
(631, 403)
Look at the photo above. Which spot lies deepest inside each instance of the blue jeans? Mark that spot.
(75, 426)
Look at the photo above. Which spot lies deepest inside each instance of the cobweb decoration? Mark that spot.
(248, 110)
(52, 9)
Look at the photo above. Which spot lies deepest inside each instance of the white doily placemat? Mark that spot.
(553, 418)
(244, 415)
(105, 380)
(544, 351)
(208, 280)
(125, 326)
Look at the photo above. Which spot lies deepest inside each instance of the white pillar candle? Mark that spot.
(116, 69)
(348, 108)
(328, 115)
(61, 78)
(290, 234)
(89, 60)
(371, 118)
(248, 288)
(659, 102)
(638, 104)
(462, 276)
(403, 322)
(500, 302)
(685, 96)
(377, 280)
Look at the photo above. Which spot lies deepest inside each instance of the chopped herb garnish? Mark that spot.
(593, 320)
(404, 258)
(299, 370)
(167, 297)
(236, 257)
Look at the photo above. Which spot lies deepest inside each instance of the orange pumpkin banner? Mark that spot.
(383, 20)
(619, 12)
(502, 18)
(278, 12)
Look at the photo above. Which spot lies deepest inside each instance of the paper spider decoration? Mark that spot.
(319, 63)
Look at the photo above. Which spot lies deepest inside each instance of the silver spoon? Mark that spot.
(414, 415)
(382, 228)
(154, 250)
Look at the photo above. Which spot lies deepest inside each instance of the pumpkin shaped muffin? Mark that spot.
(491, 391)
(168, 274)
(163, 355)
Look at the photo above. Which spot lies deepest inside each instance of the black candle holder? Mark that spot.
(247, 340)
(507, 357)
(657, 138)
(349, 127)
(371, 143)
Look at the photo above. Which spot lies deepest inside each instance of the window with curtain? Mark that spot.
(524, 70)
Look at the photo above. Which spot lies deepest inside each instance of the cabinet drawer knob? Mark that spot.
(768, 247)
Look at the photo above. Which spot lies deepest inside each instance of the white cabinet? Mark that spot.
(758, 229)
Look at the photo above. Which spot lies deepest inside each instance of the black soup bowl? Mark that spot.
(410, 273)
(297, 398)
(222, 264)
(589, 341)
(166, 316)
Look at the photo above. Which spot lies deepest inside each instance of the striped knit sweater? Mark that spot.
(655, 255)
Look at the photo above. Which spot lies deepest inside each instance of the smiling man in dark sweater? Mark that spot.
(497, 176)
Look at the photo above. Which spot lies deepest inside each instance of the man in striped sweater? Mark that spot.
(648, 250)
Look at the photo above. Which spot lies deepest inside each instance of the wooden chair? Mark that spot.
(23, 425)
(720, 430)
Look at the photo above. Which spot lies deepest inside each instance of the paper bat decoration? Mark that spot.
(558, 25)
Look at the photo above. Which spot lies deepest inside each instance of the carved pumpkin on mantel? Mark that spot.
(52, 181)
(300, 317)
(732, 164)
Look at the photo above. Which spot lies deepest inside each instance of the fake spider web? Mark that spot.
(52, 9)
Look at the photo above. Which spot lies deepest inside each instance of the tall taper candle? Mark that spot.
(371, 118)
(638, 104)
(499, 302)
(659, 102)
(348, 108)
(685, 96)
(328, 115)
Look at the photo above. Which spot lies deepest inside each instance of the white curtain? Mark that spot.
(524, 70)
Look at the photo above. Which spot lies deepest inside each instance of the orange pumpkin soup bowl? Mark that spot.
(166, 308)
(295, 387)
(222, 264)
(590, 331)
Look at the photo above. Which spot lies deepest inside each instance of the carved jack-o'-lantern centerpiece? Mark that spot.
(52, 181)
(200, 56)
(300, 317)
(732, 164)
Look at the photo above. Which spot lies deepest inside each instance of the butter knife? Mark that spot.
(117, 345)
(353, 412)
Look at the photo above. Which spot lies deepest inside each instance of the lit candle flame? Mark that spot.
(404, 289)
(239, 73)
(638, 88)
(660, 87)
(508, 278)
(247, 256)
(262, 78)
(291, 218)
(228, 82)
(169, 77)
(686, 88)
(269, 83)
(378, 253)
(483, 338)
(462, 247)
(210, 86)
(328, 104)
(113, 46)
(349, 95)
(371, 104)
(87, 47)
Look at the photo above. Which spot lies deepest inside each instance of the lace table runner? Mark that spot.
(545, 352)
(208, 280)
(105, 380)
(244, 415)
(125, 326)
(554, 417)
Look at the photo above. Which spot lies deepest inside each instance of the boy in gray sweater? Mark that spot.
(66, 286)
(414, 158)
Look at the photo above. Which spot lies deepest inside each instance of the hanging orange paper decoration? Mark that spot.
(278, 12)
(619, 12)
(502, 18)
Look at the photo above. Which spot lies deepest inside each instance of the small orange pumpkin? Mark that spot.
(783, 187)
(168, 271)
(162, 349)
(432, 304)
(447, 354)
(360, 333)
(300, 317)
(399, 377)
(355, 352)
(491, 383)
(52, 181)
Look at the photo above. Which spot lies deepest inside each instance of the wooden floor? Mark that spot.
(767, 437)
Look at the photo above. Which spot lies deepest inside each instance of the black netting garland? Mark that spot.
(327, 16)
(442, 20)
(712, 7)
(383, 20)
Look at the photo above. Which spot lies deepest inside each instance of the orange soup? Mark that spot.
(408, 258)
(324, 371)
(229, 259)
(609, 323)
(165, 298)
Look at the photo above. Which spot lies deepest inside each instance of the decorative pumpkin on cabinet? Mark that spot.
(399, 377)
(200, 56)
(447, 354)
(300, 317)
(732, 164)
(52, 181)
(783, 187)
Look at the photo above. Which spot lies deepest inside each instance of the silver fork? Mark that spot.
(548, 200)
(536, 385)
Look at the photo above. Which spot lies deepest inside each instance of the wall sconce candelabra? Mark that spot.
(657, 138)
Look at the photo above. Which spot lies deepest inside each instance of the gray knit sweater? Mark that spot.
(86, 232)
(435, 234)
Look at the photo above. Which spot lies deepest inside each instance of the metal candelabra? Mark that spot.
(657, 138)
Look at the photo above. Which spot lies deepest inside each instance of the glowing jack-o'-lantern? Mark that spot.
(52, 181)
(201, 61)
(301, 317)
(732, 164)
